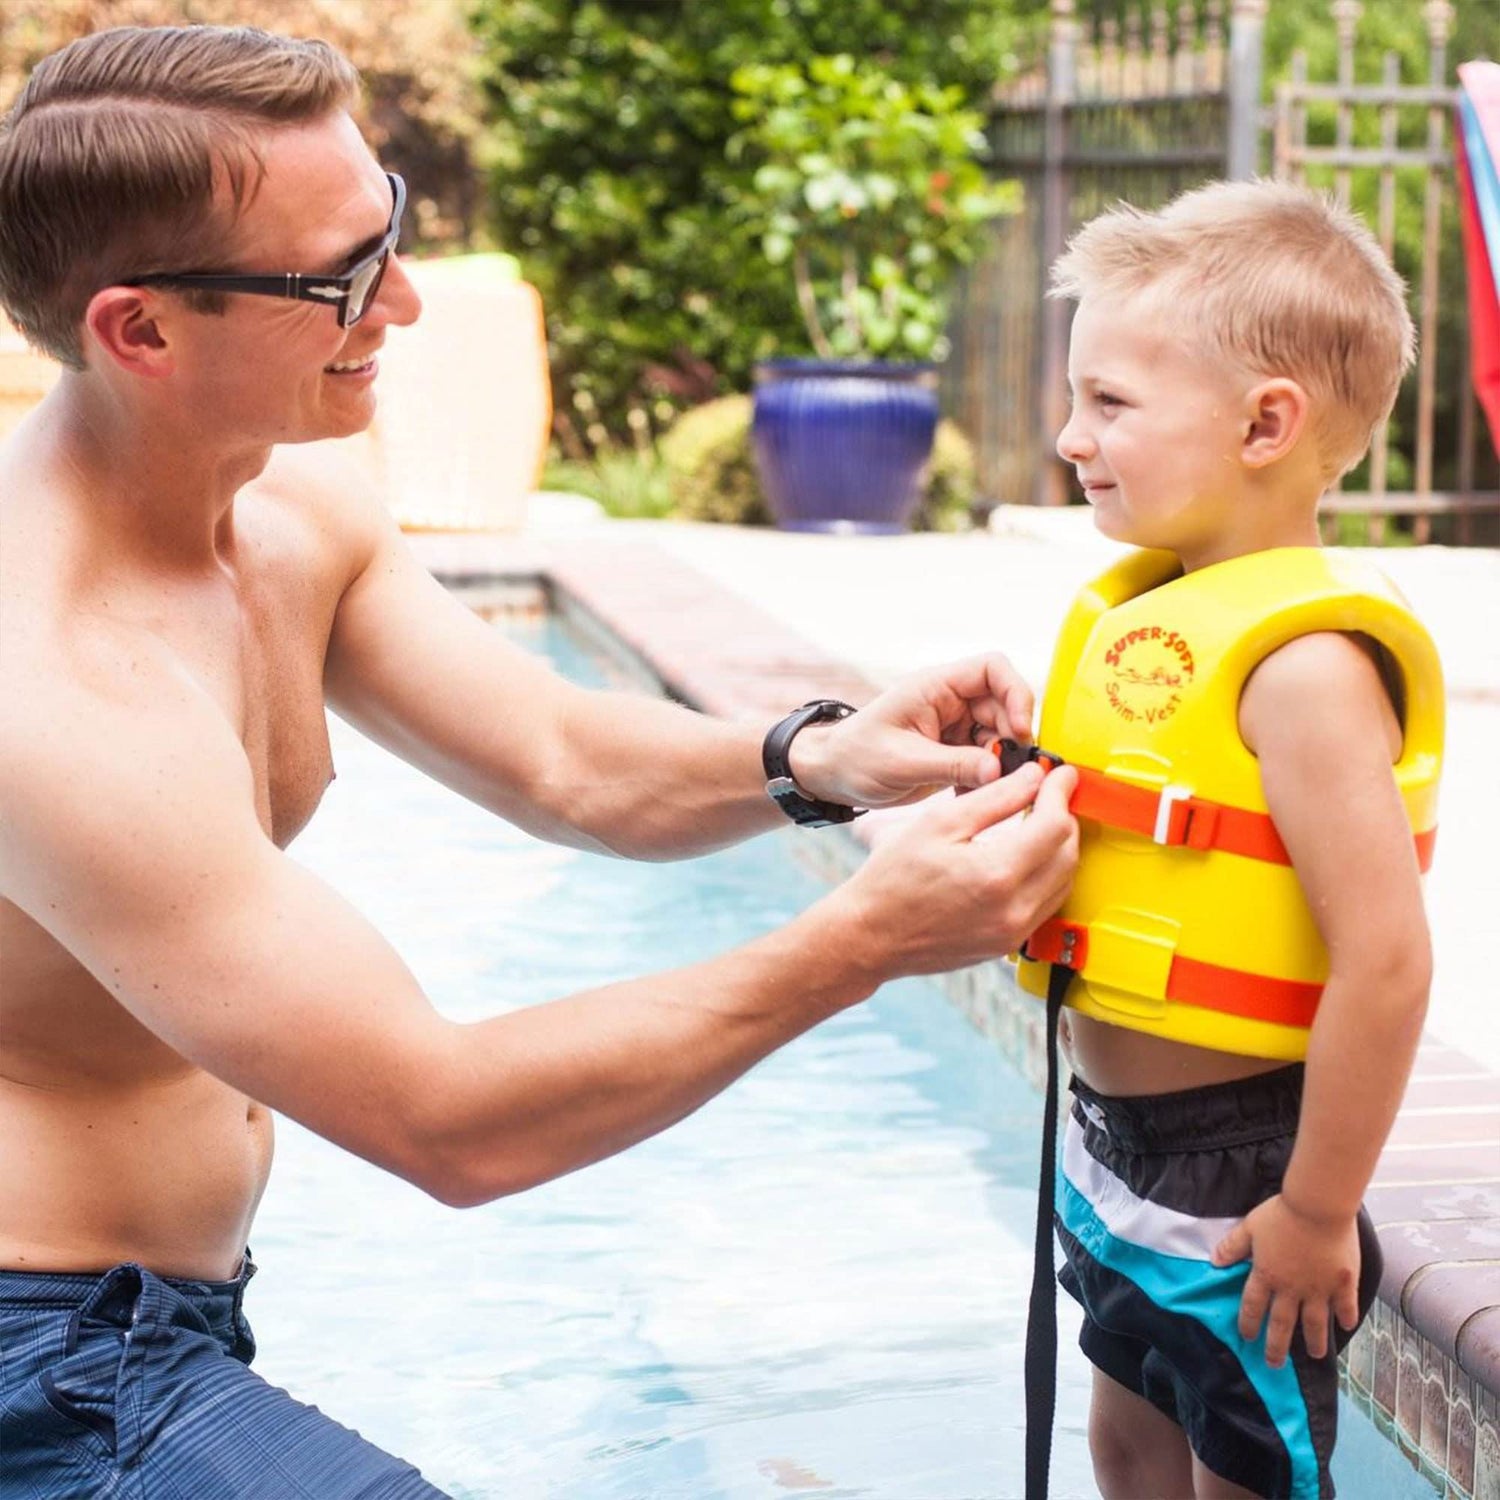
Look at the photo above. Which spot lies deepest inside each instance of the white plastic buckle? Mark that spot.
(1170, 795)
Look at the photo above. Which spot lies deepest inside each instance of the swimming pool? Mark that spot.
(817, 1283)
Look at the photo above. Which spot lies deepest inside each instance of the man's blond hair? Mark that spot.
(109, 157)
(1273, 278)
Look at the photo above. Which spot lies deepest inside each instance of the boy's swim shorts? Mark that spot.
(1147, 1187)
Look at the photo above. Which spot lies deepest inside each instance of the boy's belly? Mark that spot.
(1115, 1060)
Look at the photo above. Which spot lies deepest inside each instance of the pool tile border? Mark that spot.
(1425, 1366)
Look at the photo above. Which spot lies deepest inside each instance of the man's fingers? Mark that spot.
(986, 687)
(1057, 792)
(975, 765)
(1009, 687)
(994, 802)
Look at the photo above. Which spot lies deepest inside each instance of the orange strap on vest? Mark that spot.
(1172, 815)
(1232, 992)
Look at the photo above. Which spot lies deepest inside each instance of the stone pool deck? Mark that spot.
(750, 623)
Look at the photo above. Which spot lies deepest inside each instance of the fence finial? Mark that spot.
(1346, 14)
(1438, 14)
(1187, 26)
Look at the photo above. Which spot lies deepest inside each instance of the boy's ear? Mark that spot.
(1276, 412)
(124, 324)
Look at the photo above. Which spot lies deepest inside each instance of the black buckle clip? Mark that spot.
(1013, 756)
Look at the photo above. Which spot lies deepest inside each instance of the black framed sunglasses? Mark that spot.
(352, 292)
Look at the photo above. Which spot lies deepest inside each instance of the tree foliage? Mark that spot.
(417, 59)
(610, 121)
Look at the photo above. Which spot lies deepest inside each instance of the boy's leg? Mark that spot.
(1137, 1451)
(1210, 1486)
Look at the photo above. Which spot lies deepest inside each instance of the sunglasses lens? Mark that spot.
(362, 292)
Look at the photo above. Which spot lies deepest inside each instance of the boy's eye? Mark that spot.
(1105, 398)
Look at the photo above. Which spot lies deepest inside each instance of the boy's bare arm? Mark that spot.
(1322, 725)
(132, 837)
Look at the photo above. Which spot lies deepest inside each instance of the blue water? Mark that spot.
(816, 1284)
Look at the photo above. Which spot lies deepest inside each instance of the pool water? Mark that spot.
(816, 1284)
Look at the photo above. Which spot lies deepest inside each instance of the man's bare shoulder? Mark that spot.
(334, 489)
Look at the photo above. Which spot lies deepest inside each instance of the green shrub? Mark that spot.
(711, 470)
(627, 482)
(710, 467)
(952, 485)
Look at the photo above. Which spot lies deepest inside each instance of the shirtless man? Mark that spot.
(170, 636)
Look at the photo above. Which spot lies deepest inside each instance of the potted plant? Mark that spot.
(870, 190)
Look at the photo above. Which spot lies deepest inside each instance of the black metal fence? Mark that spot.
(1143, 108)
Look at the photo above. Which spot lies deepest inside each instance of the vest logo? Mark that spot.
(1149, 670)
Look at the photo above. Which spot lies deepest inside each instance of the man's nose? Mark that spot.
(397, 301)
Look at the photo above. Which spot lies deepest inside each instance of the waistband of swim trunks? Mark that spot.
(70, 1288)
(1211, 1118)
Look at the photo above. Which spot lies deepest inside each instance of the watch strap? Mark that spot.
(781, 785)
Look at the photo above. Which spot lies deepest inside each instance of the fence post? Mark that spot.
(1438, 14)
(1051, 483)
(1247, 24)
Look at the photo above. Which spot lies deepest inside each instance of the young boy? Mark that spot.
(1257, 727)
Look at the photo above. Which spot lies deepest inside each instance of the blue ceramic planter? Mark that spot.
(840, 444)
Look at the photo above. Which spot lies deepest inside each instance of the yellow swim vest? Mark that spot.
(1186, 919)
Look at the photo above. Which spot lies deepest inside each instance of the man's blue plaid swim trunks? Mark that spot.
(1147, 1186)
(132, 1385)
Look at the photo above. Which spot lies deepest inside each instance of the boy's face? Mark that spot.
(1156, 432)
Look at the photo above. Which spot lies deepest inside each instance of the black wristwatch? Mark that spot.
(780, 785)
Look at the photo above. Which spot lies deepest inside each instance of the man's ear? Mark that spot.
(125, 325)
(1276, 412)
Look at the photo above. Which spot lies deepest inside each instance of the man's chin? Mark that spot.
(334, 427)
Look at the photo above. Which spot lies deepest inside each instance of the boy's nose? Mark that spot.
(1073, 443)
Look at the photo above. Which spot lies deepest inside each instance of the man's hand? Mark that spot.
(926, 732)
(969, 879)
(1303, 1269)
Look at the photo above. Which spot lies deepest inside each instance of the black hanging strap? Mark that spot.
(1041, 1319)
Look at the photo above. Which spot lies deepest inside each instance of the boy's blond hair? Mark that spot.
(1277, 280)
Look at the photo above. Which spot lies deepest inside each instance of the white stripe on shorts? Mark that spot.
(1168, 1231)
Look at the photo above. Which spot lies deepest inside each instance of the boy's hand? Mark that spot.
(1302, 1268)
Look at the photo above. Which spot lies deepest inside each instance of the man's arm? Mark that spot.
(1321, 723)
(131, 836)
(626, 773)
